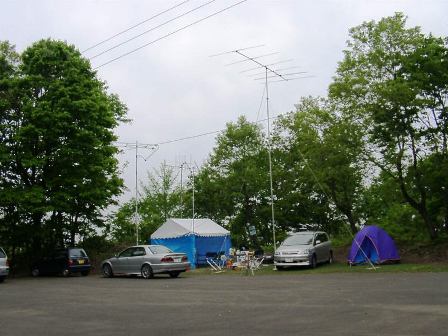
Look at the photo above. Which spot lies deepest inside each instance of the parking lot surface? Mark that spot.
(283, 304)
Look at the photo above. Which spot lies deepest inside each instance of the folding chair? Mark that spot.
(217, 263)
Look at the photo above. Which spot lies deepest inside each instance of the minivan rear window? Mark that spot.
(77, 253)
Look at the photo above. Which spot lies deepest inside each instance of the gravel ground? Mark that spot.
(286, 304)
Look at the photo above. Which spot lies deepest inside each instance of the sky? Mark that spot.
(173, 88)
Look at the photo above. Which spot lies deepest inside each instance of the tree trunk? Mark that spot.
(73, 230)
(428, 222)
(419, 205)
(36, 242)
(352, 222)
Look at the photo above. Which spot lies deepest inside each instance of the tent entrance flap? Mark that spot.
(367, 249)
(211, 247)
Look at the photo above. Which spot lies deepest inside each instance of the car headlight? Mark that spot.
(305, 252)
(277, 254)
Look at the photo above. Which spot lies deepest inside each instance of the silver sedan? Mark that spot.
(146, 260)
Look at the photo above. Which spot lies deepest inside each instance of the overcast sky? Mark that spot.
(173, 89)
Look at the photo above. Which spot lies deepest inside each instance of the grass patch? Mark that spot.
(327, 269)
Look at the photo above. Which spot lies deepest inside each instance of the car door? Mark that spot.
(59, 261)
(323, 247)
(120, 265)
(135, 261)
(326, 247)
(319, 247)
(51, 264)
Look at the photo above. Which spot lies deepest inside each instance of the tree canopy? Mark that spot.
(393, 80)
(57, 158)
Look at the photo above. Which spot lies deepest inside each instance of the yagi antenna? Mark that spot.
(257, 57)
(241, 49)
(290, 79)
(267, 65)
(273, 73)
(284, 75)
(280, 69)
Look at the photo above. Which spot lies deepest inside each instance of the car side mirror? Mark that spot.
(317, 242)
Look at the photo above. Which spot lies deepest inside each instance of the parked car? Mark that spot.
(146, 260)
(4, 265)
(304, 248)
(63, 261)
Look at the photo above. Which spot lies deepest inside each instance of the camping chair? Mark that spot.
(250, 263)
(216, 261)
(256, 262)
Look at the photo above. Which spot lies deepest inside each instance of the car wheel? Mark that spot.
(280, 268)
(2, 279)
(330, 258)
(107, 271)
(65, 273)
(85, 273)
(313, 262)
(174, 274)
(35, 272)
(147, 272)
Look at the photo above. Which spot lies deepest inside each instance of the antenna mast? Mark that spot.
(268, 69)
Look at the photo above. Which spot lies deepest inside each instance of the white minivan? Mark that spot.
(4, 265)
(307, 248)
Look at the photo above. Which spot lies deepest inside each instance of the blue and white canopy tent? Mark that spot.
(198, 238)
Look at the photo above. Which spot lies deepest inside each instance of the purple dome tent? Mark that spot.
(375, 244)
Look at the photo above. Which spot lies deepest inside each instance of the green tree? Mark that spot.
(232, 188)
(161, 200)
(57, 156)
(393, 80)
(383, 205)
(321, 173)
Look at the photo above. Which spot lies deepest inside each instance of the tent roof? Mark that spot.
(176, 227)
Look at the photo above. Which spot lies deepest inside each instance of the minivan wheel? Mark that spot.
(147, 272)
(107, 271)
(35, 272)
(313, 262)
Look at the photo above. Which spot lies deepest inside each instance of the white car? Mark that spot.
(306, 248)
(4, 265)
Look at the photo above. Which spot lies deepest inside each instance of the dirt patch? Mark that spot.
(424, 254)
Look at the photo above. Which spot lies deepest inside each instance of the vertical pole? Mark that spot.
(194, 237)
(193, 197)
(181, 192)
(270, 160)
(136, 192)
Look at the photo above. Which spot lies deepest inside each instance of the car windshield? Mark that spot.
(2, 254)
(159, 249)
(77, 253)
(300, 239)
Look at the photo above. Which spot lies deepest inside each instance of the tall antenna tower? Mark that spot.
(136, 146)
(270, 71)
